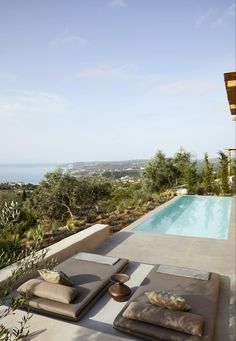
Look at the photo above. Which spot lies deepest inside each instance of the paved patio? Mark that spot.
(143, 250)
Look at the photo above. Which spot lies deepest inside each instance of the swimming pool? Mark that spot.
(192, 215)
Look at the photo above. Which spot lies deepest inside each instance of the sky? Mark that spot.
(84, 80)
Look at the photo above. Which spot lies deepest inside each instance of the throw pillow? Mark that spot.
(168, 300)
(56, 277)
(55, 292)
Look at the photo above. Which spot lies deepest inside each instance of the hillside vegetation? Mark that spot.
(63, 204)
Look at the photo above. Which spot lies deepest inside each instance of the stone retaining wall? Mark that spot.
(86, 240)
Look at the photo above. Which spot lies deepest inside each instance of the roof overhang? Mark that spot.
(230, 84)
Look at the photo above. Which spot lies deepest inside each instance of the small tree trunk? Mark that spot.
(69, 210)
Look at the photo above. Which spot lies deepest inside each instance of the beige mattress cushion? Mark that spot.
(54, 292)
(177, 320)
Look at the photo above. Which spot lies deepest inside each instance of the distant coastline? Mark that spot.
(29, 165)
(34, 173)
(27, 173)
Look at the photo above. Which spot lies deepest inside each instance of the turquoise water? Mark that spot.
(194, 216)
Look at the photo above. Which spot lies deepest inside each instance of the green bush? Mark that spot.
(91, 217)
(22, 227)
(73, 223)
(9, 248)
(105, 206)
(200, 190)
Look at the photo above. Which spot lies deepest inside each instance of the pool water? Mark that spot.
(192, 215)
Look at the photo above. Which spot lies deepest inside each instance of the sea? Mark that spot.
(27, 173)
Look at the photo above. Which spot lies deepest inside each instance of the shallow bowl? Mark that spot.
(119, 278)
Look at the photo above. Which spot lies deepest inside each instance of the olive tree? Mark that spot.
(26, 262)
(181, 160)
(160, 173)
(61, 195)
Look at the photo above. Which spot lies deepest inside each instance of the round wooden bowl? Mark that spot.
(119, 278)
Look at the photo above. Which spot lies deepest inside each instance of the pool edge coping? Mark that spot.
(132, 226)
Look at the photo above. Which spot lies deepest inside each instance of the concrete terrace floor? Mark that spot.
(143, 250)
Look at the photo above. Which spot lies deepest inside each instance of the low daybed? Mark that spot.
(202, 295)
(90, 273)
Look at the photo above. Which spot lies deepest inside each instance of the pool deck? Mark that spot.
(208, 254)
(143, 250)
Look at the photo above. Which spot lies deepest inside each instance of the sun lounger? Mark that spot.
(201, 295)
(90, 276)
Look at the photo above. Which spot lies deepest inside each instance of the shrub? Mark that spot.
(9, 216)
(91, 217)
(9, 247)
(223, 173)
(73, 223)
(23, 226)
(200, 190)
(208, 176)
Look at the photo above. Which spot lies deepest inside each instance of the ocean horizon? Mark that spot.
(27, 173)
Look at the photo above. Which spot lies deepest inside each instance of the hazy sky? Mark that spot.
(114, 79)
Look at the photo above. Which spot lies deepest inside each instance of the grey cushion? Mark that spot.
(92, 257)
(55, 292)
(185, 272)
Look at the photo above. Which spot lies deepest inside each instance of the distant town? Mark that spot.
(126, 171)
